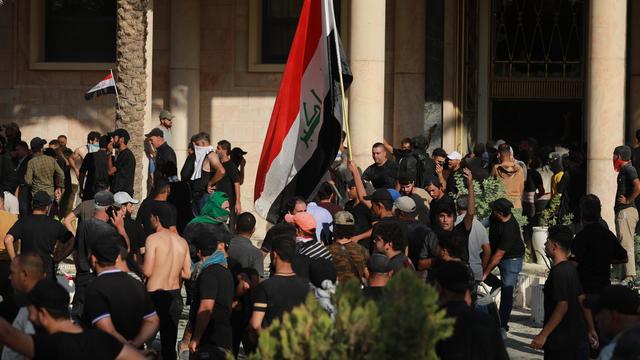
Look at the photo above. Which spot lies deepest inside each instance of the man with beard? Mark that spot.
(420, 196)
(124, 168)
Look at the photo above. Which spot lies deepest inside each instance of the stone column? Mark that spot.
(450, 86)
(184, 73)
(606, 97)
(633, 110)
(408, 64)
(366, 95)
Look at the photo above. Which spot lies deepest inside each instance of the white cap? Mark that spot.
(454, 156)
(405, 204)
(499, 142)
(122, 197)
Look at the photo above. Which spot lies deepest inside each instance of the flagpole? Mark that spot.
(345, 113)
(115, 86)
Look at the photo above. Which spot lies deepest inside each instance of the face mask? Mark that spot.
(617, 164)
(93, 147)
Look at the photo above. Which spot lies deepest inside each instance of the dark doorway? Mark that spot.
(549, 122)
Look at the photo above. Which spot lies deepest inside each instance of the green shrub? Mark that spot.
(405, 324)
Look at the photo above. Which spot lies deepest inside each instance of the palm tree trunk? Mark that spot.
(132, 83)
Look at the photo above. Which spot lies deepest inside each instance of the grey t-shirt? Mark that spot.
(85, 210)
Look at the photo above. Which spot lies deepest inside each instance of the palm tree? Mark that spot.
(132, 83)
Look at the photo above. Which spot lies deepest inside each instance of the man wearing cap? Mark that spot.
(165, 160)
(627, 191)
(349, 258)
(237, 157)
(61, 338)
(210, 314)
(166, 121)
(568, 329)
(475, 334)
(382, 173)
(454, 167)
(420, 196)
(107, 222)
(43, 172)
(616, 310)
(507, 249)
(135, 231)
(421, 241)
(38, 233)
(306, 242)
(124, 168)
(378, 273)
(115, 302)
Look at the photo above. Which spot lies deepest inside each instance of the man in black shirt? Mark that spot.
(475, 334)
(230, 182)
(159, 193)
(124, 168)
(438, 200)
(165, 160)
(382, 173)
(283, 291)
(421, 241)
(507, 249)
(60, 338)
(391, 239)
(39, 233)
(627, 192)
(94, 169)
(595, 248)
(115, 302)
(134, 229)
(214, 292)
(419, 196)
(378, 274)
(568, 326)
(361, 213)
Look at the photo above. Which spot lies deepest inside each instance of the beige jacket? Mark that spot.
(512, 176)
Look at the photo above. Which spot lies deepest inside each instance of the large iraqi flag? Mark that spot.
(306, 124)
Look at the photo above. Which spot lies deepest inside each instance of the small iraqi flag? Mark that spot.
(105, 86)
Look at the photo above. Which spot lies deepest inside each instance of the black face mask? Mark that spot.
(405, 152)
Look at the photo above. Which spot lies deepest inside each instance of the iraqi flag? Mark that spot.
(105, 86)
(306, 124)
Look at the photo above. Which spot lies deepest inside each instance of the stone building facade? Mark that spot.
(416, 63)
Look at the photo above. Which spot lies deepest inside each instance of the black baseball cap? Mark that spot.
(379, 195)
(236, 151)
(104, 198)
(378, 264)
(106, 250)
(620, 298)
(40, 199)
(120, 133)
(502, 205)
(51, 296)
(155, 132)
(37, 143)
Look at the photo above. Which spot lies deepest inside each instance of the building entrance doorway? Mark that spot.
(549, 122)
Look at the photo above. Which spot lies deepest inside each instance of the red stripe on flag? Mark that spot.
(287, 105)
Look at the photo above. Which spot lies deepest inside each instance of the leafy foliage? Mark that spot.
(490, 189)
(550, 214)
(405, 324)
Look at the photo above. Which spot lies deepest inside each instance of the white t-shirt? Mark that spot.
(322, 216)
(22, 323)
(477, 237)
(11, 204)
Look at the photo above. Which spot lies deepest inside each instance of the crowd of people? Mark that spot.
(408, 211)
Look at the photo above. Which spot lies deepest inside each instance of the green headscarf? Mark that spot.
(212, 212)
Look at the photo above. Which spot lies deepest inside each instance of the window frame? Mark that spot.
(37, 50)
(255, 64)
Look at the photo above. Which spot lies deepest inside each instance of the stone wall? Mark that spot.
(45, 103)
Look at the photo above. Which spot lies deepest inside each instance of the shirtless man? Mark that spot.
(211, 172)
(166, 265)
(79, 153)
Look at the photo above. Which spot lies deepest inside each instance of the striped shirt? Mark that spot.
(314, 250)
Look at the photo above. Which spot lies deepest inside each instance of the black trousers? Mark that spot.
(77, 305)
(8, 307)
(168, 304)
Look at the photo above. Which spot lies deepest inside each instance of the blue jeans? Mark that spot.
(509, 270)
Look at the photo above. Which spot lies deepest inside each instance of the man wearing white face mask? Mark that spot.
(207, 171)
